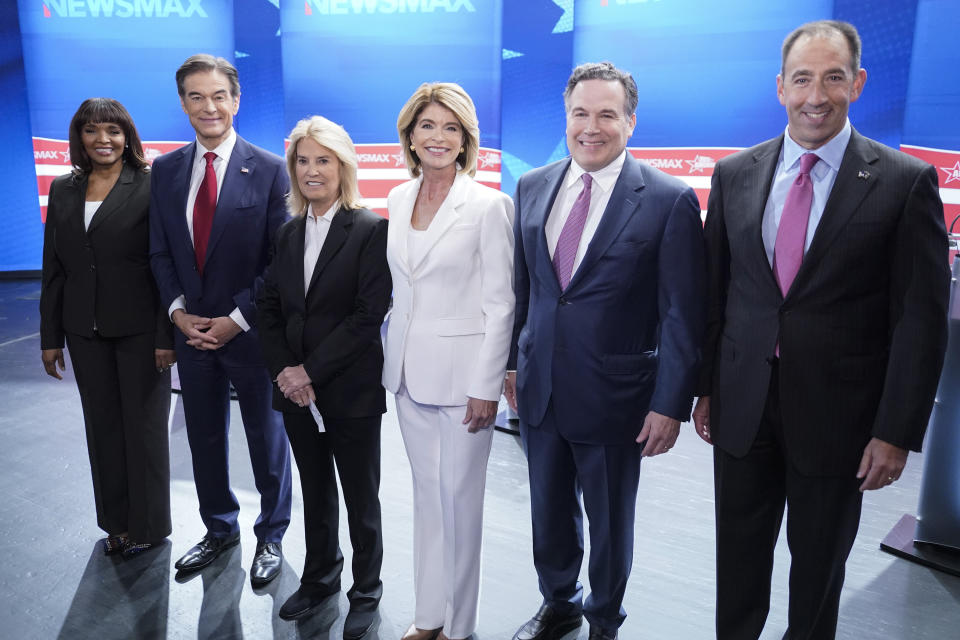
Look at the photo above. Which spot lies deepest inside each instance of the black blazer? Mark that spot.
(100, 276)
(333, 330)
(862, 330)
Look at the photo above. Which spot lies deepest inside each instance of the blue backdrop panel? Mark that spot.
(886, 29)
(123, 49)
(537, 56)
(357, 61)
(22, 232)
(706, 71)
(932, 114)
(257, 27)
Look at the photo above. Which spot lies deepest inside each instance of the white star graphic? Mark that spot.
(399, 159)
(565, 23)
(953, 173)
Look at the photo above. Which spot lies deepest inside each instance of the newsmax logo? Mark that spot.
(123, 9)
(346, 7)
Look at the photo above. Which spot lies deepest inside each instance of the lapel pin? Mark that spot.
(863, 175)
(244, 170)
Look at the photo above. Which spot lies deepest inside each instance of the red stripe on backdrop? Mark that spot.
(947, 163)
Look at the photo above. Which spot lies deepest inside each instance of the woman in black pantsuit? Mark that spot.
(319, 315)
(99, 297)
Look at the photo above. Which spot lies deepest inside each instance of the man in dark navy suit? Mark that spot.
(609, 281)
(215, 206)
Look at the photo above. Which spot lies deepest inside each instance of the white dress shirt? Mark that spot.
(823, 175)
(89, 208)
(314, 237)
(224, 150)
(603, 183)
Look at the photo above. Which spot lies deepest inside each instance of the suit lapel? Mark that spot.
(757, 183)
(400, 222)
(236, 179)
(296, 255)
(117, 197)
(855, 179)
(179, 188)
(543, 197)
(447, 215)
(336, 236)
(624, 201)
(76, 190)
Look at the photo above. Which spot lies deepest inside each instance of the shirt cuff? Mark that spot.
(180, 302)
(237, 317)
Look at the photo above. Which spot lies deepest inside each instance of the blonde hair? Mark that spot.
(334, 137)
(453, 97)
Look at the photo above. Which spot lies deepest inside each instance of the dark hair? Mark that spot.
(825, 29)
(207, 62)
(604, 71)
(99, 110)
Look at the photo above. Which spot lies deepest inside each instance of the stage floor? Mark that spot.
(56, 582)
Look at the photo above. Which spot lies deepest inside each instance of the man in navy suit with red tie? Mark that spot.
(215, 206)
(609, 279)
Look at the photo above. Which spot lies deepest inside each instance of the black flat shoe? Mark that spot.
(205, 552)
(548, 624)
(112, 545)
(267, 563)
(301, 603)
(358, 623)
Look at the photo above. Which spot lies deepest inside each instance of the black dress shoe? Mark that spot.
(267, 563)
(596, 633)
(302, 602)
(358, 623)
(547, 624)
(205, 552)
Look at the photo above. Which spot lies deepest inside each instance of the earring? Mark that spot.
(412, 148)
(462, 149)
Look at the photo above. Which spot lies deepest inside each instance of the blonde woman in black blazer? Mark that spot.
(99, 297)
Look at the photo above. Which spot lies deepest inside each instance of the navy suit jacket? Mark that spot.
(250, 209)
(624, 337)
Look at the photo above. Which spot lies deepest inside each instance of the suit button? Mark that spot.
(93, 267)
(564, 300)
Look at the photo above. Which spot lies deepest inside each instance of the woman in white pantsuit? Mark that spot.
(450, 250)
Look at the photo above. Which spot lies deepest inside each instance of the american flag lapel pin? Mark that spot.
(863, 175)
(245, 170)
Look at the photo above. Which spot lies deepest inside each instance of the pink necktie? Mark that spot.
(569, 240)
(792, 232)
(203, 209)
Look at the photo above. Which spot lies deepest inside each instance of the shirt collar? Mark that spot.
(328, 216)
(605, 177)
(831, 154)
(223, 150)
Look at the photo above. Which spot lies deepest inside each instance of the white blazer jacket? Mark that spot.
(449, 332)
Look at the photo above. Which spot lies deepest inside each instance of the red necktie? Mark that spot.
(203, 208)
(569, 241)
(792, 232)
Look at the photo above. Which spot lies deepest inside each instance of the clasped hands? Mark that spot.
(205, 334)
(296, 386)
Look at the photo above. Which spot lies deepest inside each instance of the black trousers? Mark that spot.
(354, 446)
(126, 404)
(823, 514)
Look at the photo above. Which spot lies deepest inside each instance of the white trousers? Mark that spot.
(449, 467)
